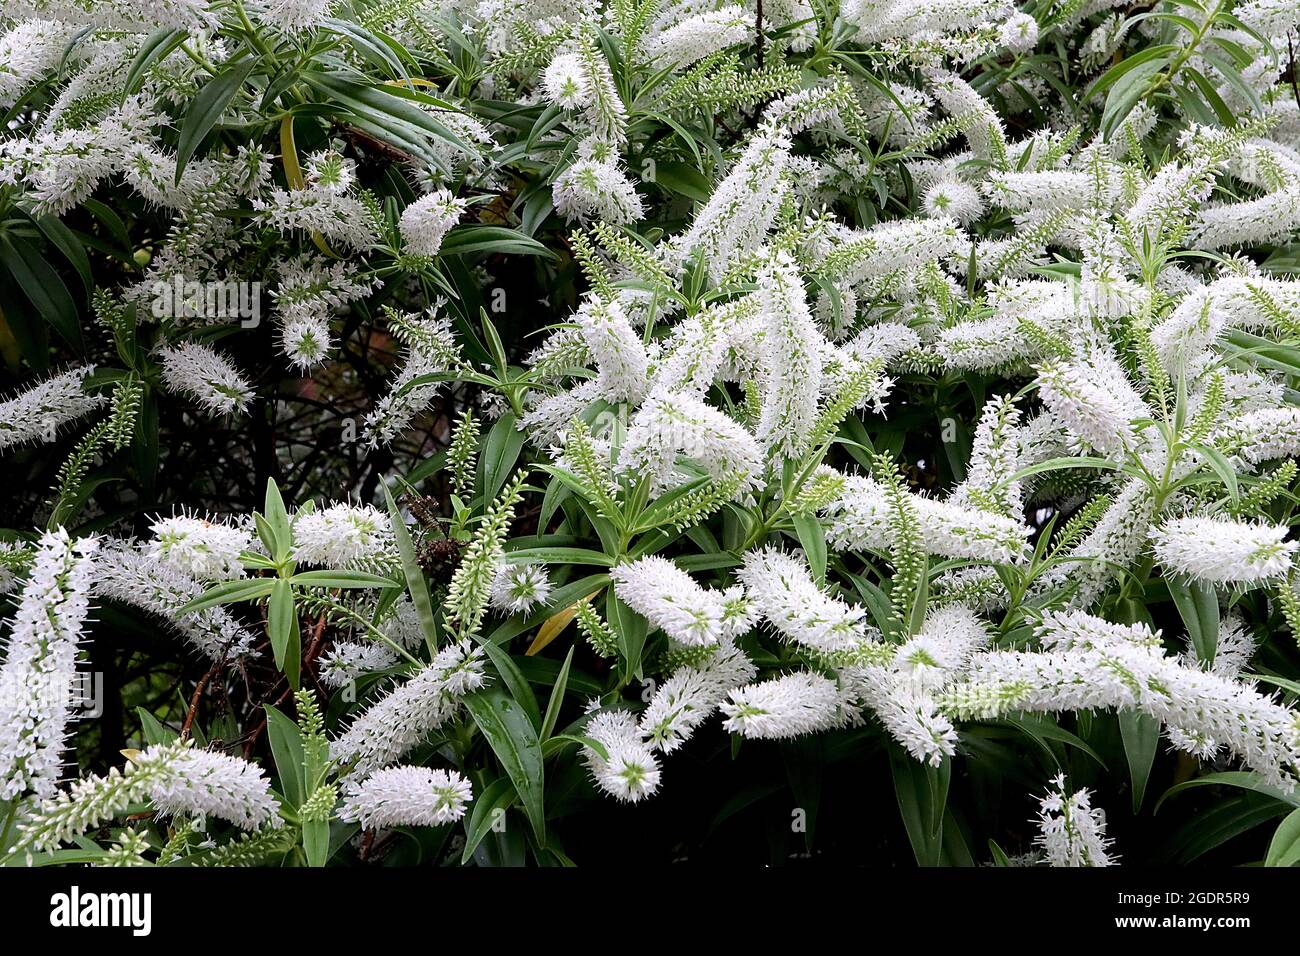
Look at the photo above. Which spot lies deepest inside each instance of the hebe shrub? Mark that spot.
(455, 432)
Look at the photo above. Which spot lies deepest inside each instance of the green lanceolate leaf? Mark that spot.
(513, 738)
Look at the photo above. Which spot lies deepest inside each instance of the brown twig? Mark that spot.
(198, 694)
(758, 32)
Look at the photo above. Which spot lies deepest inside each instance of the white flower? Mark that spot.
(296, 15)
(782, 589)
(1222, 551)
(630, 770)
(861, 517)
(1071, 831)
(616, 349)
(793, 355)
(565, 82)
(206, 376)
(346, 661)
(38, 413)
(691, 695)
(592, 189)
(517, 588)
(305, 339)
(343, 536)
(399, 721)
(37, 678)
(407, 796)
(695, 37)
(426, 222)
(27, 52)
(1118, 671)
(430, 350)
(1261, 435)
(1095, 401)
(799, 703)
(736, 219)
(667, 596)
(211, 784)
(952, 198)
(942, 650)
(324, 204)
(668, 426)
(204, 549)
(1019, 33)
(130, 575)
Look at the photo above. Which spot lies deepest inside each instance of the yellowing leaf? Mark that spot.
(554, 626)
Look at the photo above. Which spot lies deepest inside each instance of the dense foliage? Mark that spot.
(508, 431)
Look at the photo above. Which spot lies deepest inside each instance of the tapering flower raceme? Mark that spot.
(862, 517)
(737, 217)
(667, 596)
(793, 356)
(668, 427)
(407, 796)
(431, 350)
(131, 575)
(313, 287)
(1222, 551)
(629, 770)
(1261, 436)
(37, 678)
(692, 694)
(399, 721)
(909, 714)
(28, 51)
(1114, 542)
(174, 777)
(1273, 169)
(471, 585)
(1095, 401)
(426, 222)
(616, 349)
(782, 589)
(208, 550)
(697, 352)
(1116, 671)
(128, 15)
(38, 414)
(205, 375)
(983, 128)
(518, 588)
(893, 18)
(891, 246)
(800, 703)
(1076, 630)
(344, 536)
(579, 78)
(695, 37)
(1071, 831)
(207, 783)
(1234, 646)
(995, 457)
(593, 189)
(324, 205)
